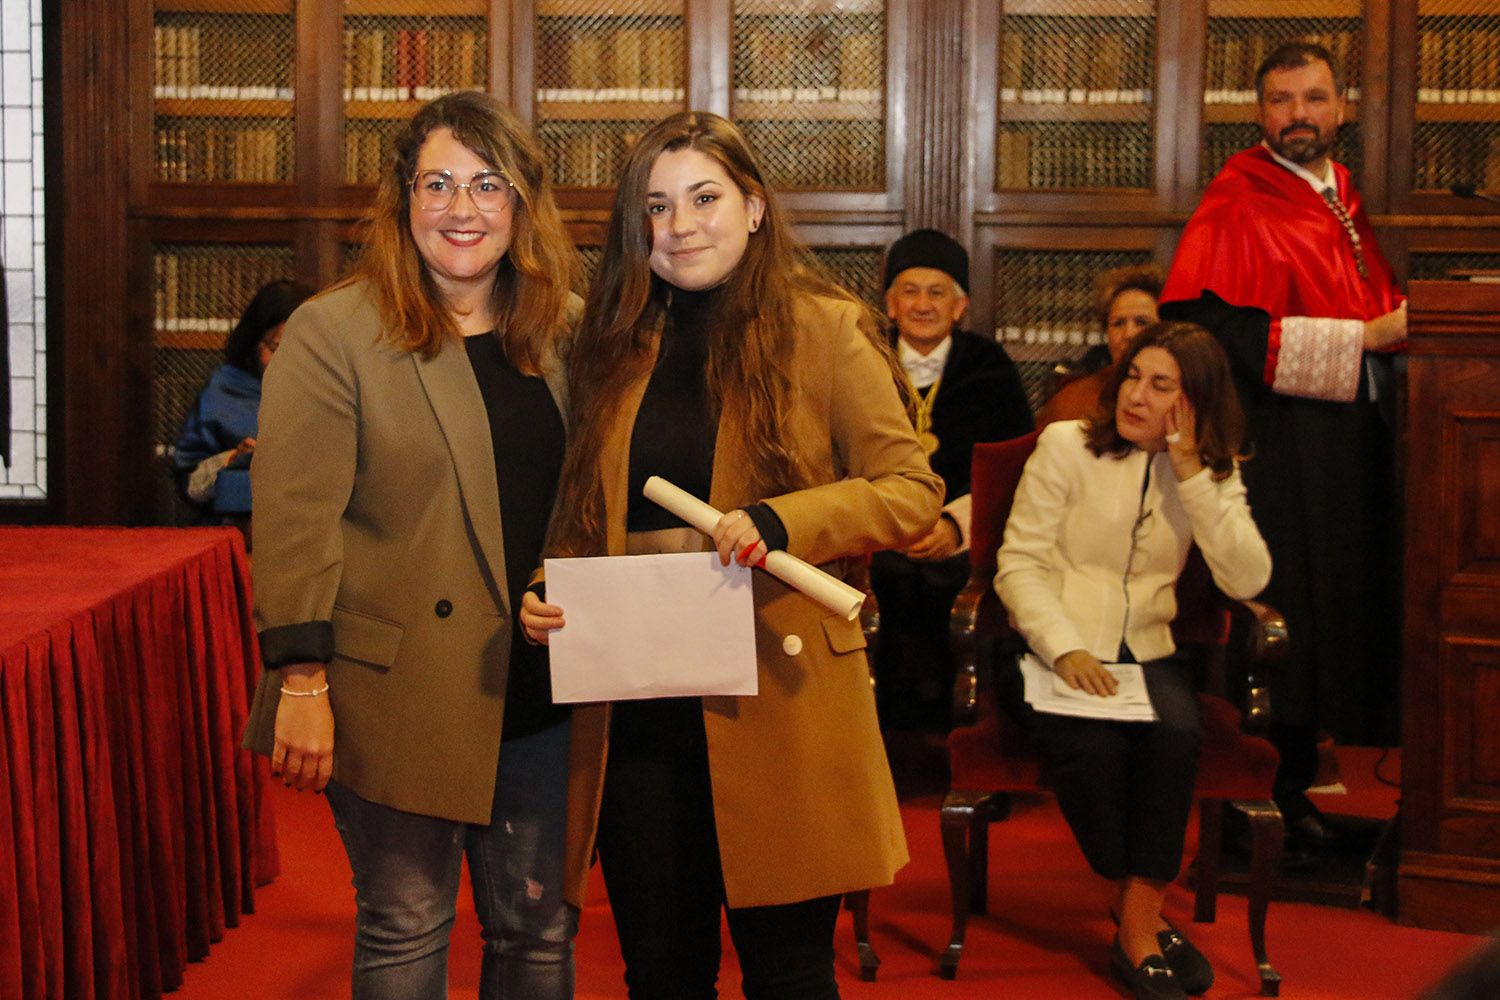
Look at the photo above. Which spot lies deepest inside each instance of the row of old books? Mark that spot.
(1097, 155)
(612, 63)
(412, 64)
(847, 66)
(193, 151)
(1458, 64)
(1456, 154)
(366, 151)
(189, 64)
(1232, 56)
(1042, 63)
(204, 290)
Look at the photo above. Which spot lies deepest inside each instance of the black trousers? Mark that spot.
(660, 855)
(1125, 788)
(914, 661)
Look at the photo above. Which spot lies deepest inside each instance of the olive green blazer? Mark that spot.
(378, 546)
(803, 798)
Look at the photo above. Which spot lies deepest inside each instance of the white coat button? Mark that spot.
(791, 645)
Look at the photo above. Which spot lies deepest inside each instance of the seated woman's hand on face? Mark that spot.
(1182, 439)
(1081, 671)
(539, 619)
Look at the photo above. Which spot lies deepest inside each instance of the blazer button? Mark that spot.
(443, 608)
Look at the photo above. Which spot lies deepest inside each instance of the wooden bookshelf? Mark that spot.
(925, 118)
(210, 108)
(1486, 112)
(1081, 111)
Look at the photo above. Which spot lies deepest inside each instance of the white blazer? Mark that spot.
(1094, 546)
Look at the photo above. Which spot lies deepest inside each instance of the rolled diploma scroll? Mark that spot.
(829, 591)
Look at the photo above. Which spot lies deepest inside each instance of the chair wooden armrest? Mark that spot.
(1265, 644)
(963, 637)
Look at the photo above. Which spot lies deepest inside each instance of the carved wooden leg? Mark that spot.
(1210, 853)
(858, 904)
(964, 815)
(979, 861)
(1267, 831)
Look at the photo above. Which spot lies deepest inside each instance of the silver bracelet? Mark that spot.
(304, 694)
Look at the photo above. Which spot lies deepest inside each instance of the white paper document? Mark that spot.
(1047, 692)
(651, 626)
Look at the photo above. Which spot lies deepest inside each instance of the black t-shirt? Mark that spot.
(528, 437)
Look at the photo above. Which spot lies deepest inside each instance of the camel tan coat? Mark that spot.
(803, 799)
(378, 533)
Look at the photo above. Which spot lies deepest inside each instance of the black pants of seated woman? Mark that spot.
(660, 856)
(1125, 788)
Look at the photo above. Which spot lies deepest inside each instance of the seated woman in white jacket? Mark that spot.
(1103, 517)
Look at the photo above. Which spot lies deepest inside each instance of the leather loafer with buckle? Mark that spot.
(1153, 979)
(1191, 967)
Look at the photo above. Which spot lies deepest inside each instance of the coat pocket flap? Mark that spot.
(365, 638)
(844, 636)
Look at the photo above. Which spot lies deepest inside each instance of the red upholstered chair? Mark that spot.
(990, 756)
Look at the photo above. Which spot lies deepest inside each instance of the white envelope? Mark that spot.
(651, 626)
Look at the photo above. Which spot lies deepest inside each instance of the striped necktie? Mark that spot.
(1342, 214)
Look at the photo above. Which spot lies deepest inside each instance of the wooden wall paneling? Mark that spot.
(1449, 873)
(139, 81)
(320, 105)
(1401, 55)
(502, 53)
(1375, 105)
(982, 111)
(1185, 115)
(522, 60)
(937, 142)
(1167, 112)
(710, 48)
(105, 379)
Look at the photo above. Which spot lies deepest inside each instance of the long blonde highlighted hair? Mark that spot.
(534, 278)
(751, 342)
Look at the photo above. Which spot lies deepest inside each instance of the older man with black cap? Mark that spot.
(966, 390)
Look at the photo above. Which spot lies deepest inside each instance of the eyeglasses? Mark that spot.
(434, 190)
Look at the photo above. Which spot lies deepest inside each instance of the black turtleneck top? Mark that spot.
(676, 428)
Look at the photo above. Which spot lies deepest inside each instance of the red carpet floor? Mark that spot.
(1046, 935)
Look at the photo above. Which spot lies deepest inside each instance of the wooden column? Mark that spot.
(937, 143)
(106, 384)
(1449, 875)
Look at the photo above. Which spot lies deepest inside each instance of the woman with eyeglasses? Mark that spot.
(411, 437)
(1099, 531)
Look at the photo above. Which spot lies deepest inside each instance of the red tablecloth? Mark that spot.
(133, 830)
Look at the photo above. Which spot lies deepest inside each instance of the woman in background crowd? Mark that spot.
(714, 354)
(1125, 302)
(408, 407)
(219, 432)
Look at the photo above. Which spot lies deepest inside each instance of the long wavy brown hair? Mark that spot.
(750, 344)
(534, 278)
(1205, 380)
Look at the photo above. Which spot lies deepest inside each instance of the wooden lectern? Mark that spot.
(1449, 873)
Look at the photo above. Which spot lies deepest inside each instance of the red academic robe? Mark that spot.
(1264, 255)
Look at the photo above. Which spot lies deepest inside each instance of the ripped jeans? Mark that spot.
(406, 871)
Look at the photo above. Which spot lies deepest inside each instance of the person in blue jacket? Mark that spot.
(219, 432)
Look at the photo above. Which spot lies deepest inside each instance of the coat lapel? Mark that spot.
(449, 383)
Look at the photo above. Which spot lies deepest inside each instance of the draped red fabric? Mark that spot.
(133, 830)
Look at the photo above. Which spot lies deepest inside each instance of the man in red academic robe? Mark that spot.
(1280, 263)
